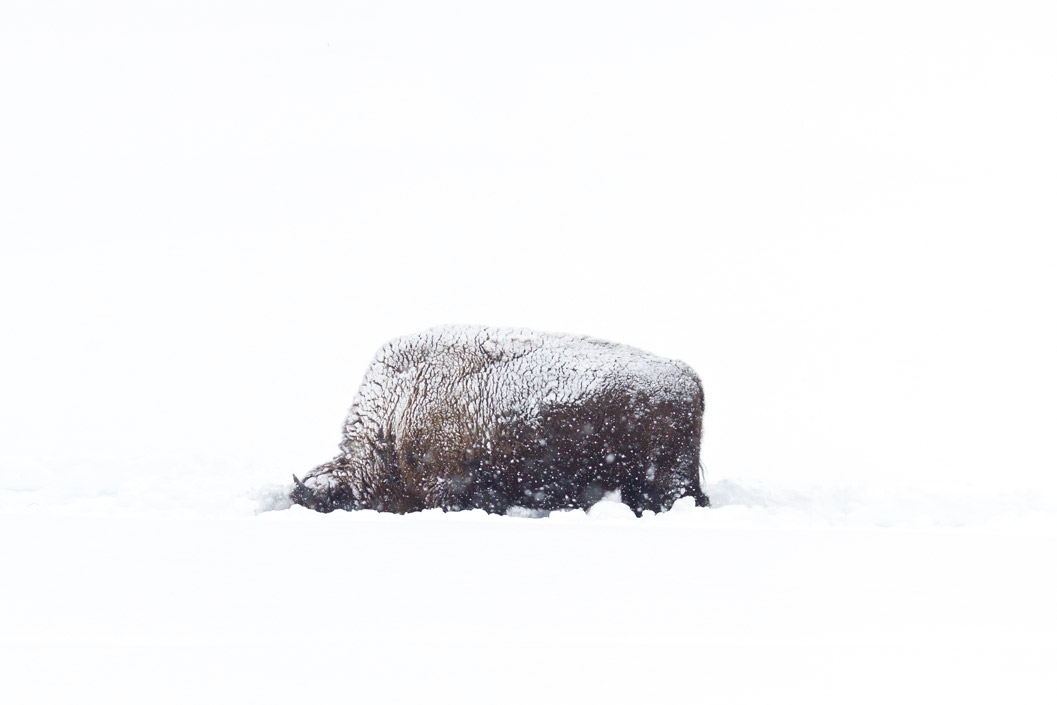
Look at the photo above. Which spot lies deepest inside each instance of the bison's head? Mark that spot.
(323, 490)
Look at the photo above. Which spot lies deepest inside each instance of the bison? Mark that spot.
(497, 418)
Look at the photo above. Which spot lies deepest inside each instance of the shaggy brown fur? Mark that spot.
(494, 419)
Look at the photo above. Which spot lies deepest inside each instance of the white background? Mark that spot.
(840, 213)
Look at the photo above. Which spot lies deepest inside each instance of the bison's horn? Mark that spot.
(301, 494)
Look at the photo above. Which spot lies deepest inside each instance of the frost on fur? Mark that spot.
(496, 418)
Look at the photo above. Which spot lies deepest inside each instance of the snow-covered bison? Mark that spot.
(497, 418)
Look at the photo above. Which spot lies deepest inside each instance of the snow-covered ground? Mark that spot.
(840, 214)
(745, 602)
(180, 584)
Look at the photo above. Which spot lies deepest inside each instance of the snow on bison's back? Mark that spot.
(494, 418)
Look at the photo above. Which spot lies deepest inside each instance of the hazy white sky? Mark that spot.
(841, 214)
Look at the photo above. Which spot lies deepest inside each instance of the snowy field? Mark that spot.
(840, 214)
(762, 598)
